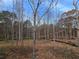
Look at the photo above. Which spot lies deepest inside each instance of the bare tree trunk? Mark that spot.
(19, 10)
(34, 37)
(13, 19)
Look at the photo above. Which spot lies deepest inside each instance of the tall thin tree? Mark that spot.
(35, 6)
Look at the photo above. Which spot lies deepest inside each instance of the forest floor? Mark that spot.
(44, 49)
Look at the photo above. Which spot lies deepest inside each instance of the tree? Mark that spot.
(76, 6)
(19, 12)
(27, 30)
(6, 19)
(35, 6)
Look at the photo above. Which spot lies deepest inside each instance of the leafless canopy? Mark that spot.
(36, 4)
(75, 3)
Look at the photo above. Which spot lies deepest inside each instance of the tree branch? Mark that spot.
(47, 10)
(31, 5)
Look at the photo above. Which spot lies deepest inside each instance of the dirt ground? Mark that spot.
(44, 49)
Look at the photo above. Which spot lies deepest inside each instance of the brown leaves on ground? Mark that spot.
(44, 50)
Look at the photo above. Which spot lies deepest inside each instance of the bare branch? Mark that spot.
(47, 10)
(50, 7)
(75, 3)
(31, 5)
